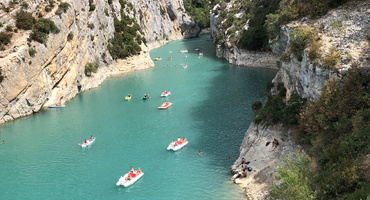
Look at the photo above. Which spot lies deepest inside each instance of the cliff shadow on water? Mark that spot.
(224, 112)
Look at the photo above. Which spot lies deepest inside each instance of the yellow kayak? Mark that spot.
(127, 98)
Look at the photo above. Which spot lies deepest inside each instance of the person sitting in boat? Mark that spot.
(91, 138)
(129, 95)
(146, 95)
(85, 142)
(131, 170)
(184, 139)
(138, 171)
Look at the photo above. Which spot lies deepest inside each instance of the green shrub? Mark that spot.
(24, 5)
(41, 30)
(9, 28)
(24, 20)
(299, 39)
(198, 11)
(5, 38)
(275, 110)
(48, 8)
(256, 106)
(1, 76)
(255, 37)
(32, 52)
(91, 5)
(296, 180)
(90, 26)
(126, 38)
(90, 68)
(332, 58)
(336, 131)
(62, 8)
(70, 36)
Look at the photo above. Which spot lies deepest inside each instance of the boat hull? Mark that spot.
(178, 147)
(89, 143)
(125, 183)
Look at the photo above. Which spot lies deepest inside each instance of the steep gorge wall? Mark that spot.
(55, 73)
(230, 51)
(307, 78)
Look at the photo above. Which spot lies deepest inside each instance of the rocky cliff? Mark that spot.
(346, 30)
(228, 50)
(54, 72)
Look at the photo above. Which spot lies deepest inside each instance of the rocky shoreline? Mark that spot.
(264, 159)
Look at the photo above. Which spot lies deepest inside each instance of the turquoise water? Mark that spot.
(211, 108)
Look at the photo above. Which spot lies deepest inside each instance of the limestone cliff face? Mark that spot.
(264, 159)
(55, 73)
(346, 30)
(230, 51)
(307, 78)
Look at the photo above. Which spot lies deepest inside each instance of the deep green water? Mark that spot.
(211, 107)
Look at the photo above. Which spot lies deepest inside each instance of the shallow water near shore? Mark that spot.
(211, 108)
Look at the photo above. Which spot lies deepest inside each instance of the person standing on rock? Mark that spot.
(275, 143)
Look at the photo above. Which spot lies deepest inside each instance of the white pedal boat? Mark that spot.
(165, 94)
(89, 143)
(172, 146)
(126, 183)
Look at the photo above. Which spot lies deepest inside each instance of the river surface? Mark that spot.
(211, 99)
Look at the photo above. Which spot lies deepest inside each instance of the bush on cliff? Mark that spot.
(292, 10)
(127, 39)
(199, 11)
(255, 37)
(62, 8)
(1, 76)
(5, 38)
(41, 30)
(296, 180)
(24, 20)
(277, 109)
(90, 68)
(336, 131)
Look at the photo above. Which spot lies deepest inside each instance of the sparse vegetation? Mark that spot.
(90, 68)
(335, 131)
(62, 8)
(9, 28)
(199, 11)
(5, 38)
(300, 39)
(24, 20)
(32, 52)
(91, 5)
(296, 178)
(90, 26)
(332, 58)
(125, 41)
(42, 29)
(1, 76)
(69, 36)
(277, 109)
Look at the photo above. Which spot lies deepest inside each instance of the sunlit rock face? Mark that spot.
(56, 72)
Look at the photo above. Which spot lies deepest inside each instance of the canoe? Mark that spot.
(166, 94)
(57, 106)
(174, 147)
(89, 143)
(165, 105)
(126, 183)
(128, 98)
